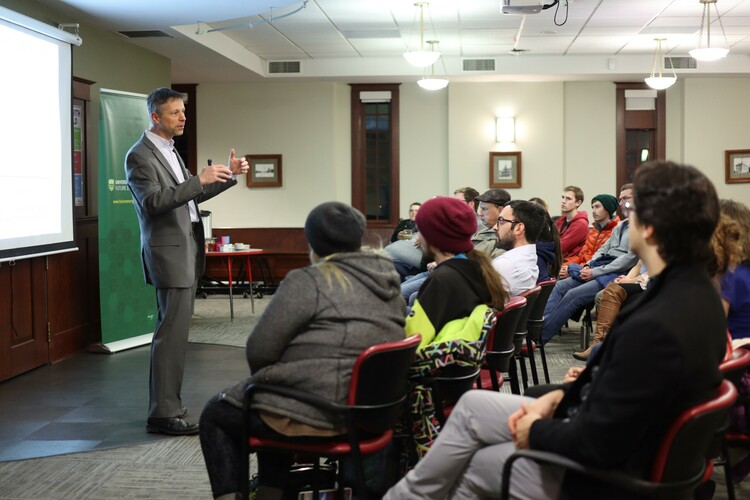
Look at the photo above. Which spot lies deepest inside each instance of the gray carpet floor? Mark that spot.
(173, 468)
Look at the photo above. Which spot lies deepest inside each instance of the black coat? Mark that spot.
(661, 356)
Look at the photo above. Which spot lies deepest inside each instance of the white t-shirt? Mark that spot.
(518, 269)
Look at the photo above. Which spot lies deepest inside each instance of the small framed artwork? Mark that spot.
(737, 165)
(265, 171)
(505, 169)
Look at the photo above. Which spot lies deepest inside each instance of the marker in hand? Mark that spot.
(210, 162)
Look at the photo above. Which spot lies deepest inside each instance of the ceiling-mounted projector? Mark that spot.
(522, 7)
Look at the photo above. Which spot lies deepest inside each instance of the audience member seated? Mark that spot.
(604, 213)
(573, 225)
(662, 357)
(518, 228)
(735, 278)
(406, 257)
(318, 322)
(548, 254)
(484, 239)
(541, 203)
(490, 204)
(731, 245)
(453, 300)
(468, 195)
(621, 292)
(406, 227)
(580, 289)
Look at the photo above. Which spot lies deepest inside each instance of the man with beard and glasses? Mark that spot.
(518, 228)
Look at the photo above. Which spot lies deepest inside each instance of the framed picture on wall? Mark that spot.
(265, 171)
(505, 169)
(737, 165)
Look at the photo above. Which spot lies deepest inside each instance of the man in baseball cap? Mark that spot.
(490, 203)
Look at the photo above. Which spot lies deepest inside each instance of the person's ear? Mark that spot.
(648, 235)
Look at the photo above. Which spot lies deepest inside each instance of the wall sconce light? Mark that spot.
(506, 129)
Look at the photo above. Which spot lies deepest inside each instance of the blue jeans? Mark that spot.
(566, 298)
(413, 284)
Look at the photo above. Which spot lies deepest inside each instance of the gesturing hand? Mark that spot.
(214, 173)
(238, 165)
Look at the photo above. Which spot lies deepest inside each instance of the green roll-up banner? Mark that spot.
(128, 305)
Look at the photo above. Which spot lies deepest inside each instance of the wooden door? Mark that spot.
(23, 316)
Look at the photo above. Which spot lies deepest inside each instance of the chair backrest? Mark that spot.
(451, 382)
(380, 383)
(531, 297)
(500, 338)
(734, 367)
(684, 449)
(536, 314)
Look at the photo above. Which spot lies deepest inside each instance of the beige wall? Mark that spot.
(565, 131)
(538, 110)
(590, 141)
(308, 124)
(716, 115)
(424, 145)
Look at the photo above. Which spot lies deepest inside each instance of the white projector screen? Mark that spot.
(36, 178)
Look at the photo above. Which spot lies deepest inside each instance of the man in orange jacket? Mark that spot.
(604, 212)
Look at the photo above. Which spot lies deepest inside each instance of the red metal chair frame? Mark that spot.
(519, 340)
(534, 330)
(734, 366)
(377, 390)
(681, 461)
(500, 349)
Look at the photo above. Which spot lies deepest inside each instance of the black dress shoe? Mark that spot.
(174, 426)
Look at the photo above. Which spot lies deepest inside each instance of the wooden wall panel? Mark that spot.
(284, 248)
(23, 325)
(73, 283)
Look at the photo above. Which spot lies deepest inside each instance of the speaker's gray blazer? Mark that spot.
(170, 256)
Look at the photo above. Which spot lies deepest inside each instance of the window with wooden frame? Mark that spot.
(375, 152)
(641, 128)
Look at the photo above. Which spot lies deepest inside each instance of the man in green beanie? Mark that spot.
(604, 213)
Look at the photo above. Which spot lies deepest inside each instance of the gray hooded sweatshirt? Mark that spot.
(313, 331)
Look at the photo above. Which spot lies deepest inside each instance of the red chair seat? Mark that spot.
(484, 377)
(367, 446)
(525, 349)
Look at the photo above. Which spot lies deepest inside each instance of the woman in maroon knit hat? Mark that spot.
(452, 302)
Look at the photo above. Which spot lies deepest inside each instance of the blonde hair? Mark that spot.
(329, 270)
(726, 244)
(740, 213)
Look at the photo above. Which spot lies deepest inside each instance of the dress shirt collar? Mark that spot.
(160, 141)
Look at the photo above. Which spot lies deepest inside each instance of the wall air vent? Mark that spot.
(681, 62)
(277, 67)
(479, 64)
(146, 34)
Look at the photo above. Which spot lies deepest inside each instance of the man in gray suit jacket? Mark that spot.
(166, 198)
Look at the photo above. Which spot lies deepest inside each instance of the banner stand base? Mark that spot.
(121, 345)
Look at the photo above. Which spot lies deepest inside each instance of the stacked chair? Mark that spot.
(534, 330)
(500, 348)
(519, 342)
